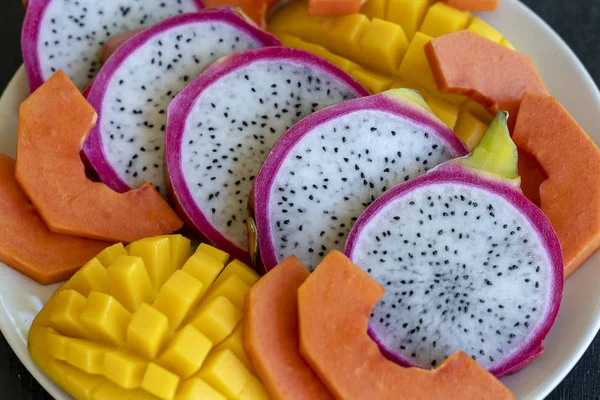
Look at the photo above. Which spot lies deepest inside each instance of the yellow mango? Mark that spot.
(124, 369)
(375, 8)
(92, 276)
(129, 282)
(110, 254)
(244, 272)
(445, 111)
(147, 331)
(156, 253)
(160, 382)
(374, 82)
(177, 297)
(233, 288)
(57, 344)
(186, 352)
(140, 394)
(478, 111)
(414, 67)
(482, 28)
(345, 34)
(293, 19)
(441, 19)
(80, 384)
(204, 268)
(235, 343)
(469, 129)
(181, 250)
(408, 14)
(215, 253)
(109, 391)
(217, 318)
(87, 356)
(223, 371)
(340, 62)
(504, 42)
(383, 55)
(68, 306)
(254, 390)
(195, 389)
(105, 318)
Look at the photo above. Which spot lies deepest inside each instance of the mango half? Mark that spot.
(150, 321)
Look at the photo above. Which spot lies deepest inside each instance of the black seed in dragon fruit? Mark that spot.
(223, 125)
(328, 168)
(68, 35)
(134, 88)
(468, 263)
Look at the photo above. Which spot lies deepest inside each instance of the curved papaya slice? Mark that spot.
(53, 123)
(496, 77)
(26, 243)
(334, 305)
(271, 335)
(570, 196)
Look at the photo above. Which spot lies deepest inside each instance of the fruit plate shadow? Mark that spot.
(579, 317)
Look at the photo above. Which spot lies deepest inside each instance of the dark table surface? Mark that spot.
(577, 21)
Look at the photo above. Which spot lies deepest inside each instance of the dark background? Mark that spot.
(577, 21)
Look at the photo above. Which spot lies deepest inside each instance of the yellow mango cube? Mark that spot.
(105, 318)
(92, 276)
(375, 8)
(87, 356)
(441, 19)
(55, 369)
(482, 28)
(79, 384)
(109, 391)
(129, 282)
(204, 268)
(244, 272)
(223, 371)
(217, 318)
(345, 35)
(215, 253)
(140, 394)
(57, 344)
(148, 331)
(383, 55)
(469, 129)
(478, 111)
(293, 19)
(372, 81)
(156, 253)
(233, 288)
(254, 390)
(504, 42)
(235, 343)
(160, 382)
(408, 14)
(181, 250)
(414, 67)
(195, 389)
(186, 352)
(67, 309)
(177, 297)
(124, 369)
(340, 62)
(445, 111)
(110, 254)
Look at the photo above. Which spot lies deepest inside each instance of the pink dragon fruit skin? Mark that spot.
(34, 36)
(458, 176)
(94, 150)
(397, 104)
(181, 109)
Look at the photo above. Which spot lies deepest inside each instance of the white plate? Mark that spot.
(579, 317)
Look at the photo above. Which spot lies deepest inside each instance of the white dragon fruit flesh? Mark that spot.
(223, 125)
(68, 35)
(328, 168)
(468, 263)
(134, 88)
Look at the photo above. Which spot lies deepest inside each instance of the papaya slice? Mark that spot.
(334, 305)
(26, 243)
(532, 177)
(496, 77)
(333, 7)
(271, 335)
(473, 5)
(53, 123)
(570, 197)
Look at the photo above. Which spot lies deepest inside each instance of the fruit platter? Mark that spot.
(305, 199)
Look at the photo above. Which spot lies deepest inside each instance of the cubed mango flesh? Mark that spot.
(445, 111)
(469, 129)
(110, 254)
(372, 81)
(485, 30)
(108, 333)
(375, 8)
(441, 19)
(383, 45)
(345, 34)
(408, 14)
(415, 67)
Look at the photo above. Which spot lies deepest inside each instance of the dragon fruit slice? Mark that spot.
(467, 261)
(222, 126)
(133, 90)
(328, 168)
(68, 35)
